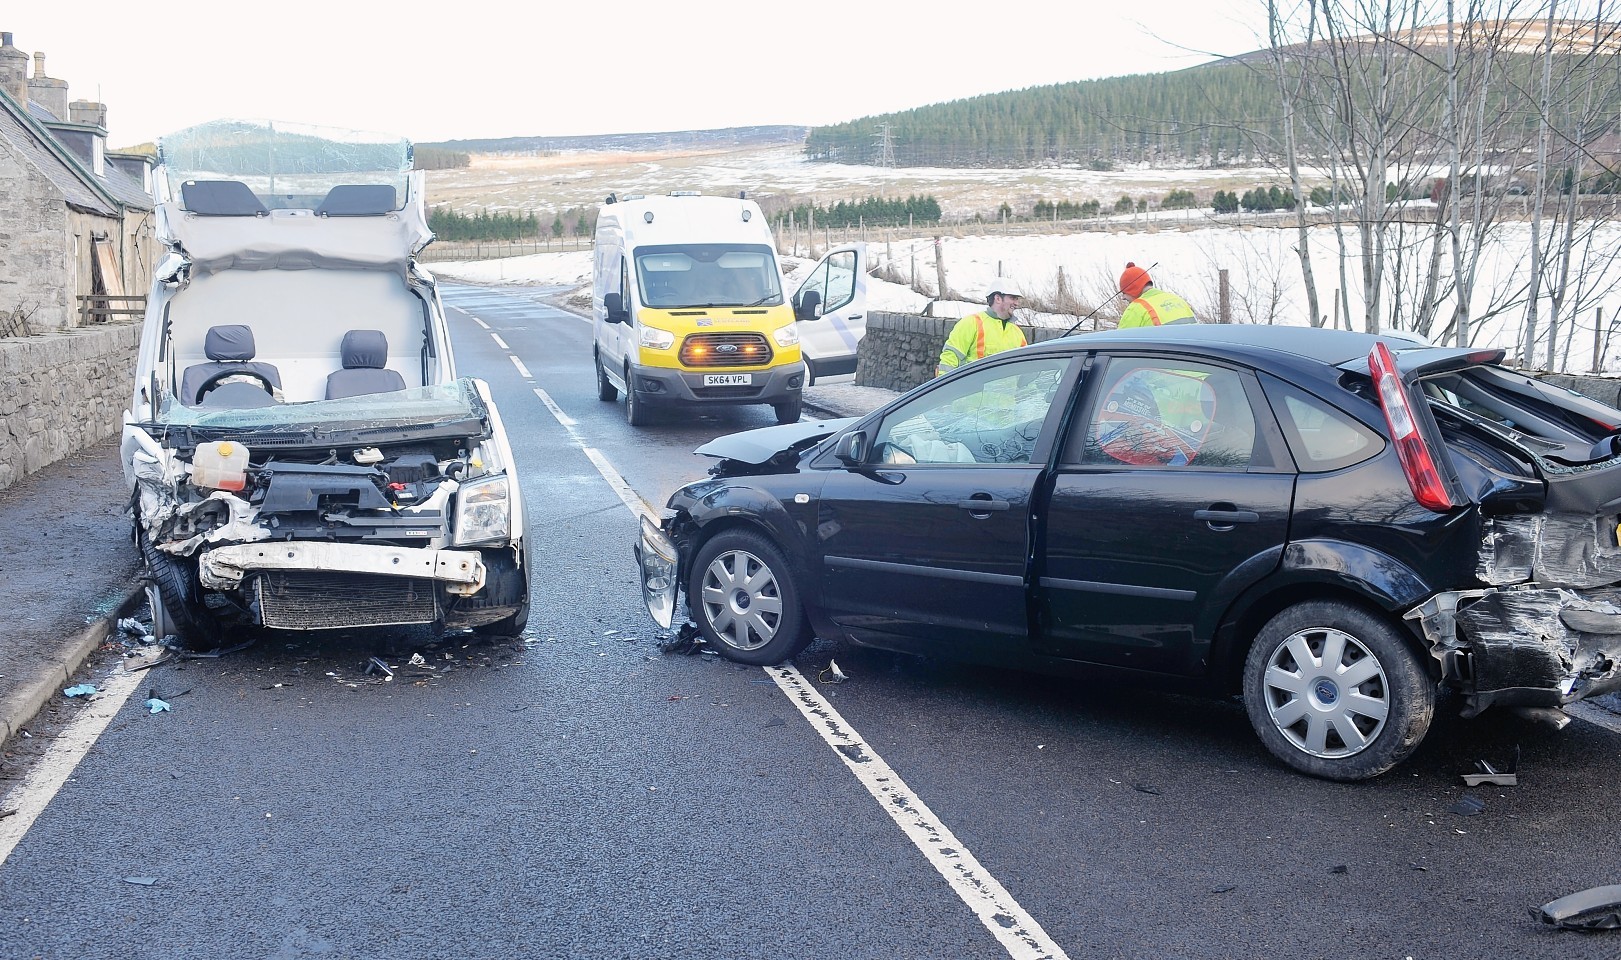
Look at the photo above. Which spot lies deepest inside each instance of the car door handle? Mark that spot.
(1225, 518)
(855, 316)
(983, 505)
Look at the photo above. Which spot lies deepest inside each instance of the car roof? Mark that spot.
(1319, 344)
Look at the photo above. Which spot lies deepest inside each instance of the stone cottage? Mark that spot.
(75, 217)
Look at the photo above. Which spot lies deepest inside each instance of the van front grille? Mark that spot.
(725, 350)
(318, 600)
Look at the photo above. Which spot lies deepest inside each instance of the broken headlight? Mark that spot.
(483, 512)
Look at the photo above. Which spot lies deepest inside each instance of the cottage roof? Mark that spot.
(82, 189)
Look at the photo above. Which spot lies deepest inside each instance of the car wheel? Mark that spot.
(1334, 691)
(745, 601)
(789, 411)
(636, 413)
(606, 391)
(176, 598)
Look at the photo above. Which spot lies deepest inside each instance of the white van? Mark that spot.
(687, 307)
(300, 451)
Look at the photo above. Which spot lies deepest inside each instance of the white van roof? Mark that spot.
(686, 219)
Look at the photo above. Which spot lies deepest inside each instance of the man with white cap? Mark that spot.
(989, 331)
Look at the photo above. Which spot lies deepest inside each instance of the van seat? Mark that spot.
(220, 198)
(230, 349)
(357, 200)
(365, 353)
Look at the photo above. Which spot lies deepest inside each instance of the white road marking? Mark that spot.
(1597, 716)
(1019, 932)
(34, 793)
(498, 341)
(521, 368)
(463, 312)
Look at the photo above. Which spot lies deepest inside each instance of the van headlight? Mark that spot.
(656, 338)
(786, 336)
(483, 511)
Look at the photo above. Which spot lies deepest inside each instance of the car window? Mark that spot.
(1321, 437)
(987, 416)
(1168, 413)
(817, 281)
(841, 280)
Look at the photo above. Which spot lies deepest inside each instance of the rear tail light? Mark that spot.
(1416, 460)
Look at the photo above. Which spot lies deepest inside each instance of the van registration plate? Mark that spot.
(728, 379)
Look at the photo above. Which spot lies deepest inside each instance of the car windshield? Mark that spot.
(708, 275)
(287, 166)
(420, 408)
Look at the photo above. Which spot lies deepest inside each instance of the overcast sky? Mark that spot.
(476, 68)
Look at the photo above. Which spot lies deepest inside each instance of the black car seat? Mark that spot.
(364, 354)
(230, 349)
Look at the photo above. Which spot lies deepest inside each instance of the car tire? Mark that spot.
(745, 601)
(606, 391)
(176, 597)
(810, 372)
(1336, 692)
(789, 411)
(636, 412)
(507, 626)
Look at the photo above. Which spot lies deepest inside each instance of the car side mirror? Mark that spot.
(806, 308)
(614, 305)
(852, 449)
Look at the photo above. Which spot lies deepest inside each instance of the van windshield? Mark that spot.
(708, 275)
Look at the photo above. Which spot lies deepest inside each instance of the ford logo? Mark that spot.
(726, 348)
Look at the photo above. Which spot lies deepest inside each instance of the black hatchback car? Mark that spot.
(1335, 525)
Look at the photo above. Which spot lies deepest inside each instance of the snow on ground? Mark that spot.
(1263, 270)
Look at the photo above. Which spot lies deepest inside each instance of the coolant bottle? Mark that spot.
(220, 465)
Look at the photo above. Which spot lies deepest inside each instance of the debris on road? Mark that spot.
(1491, 775)
(157, 706)
(832, 674)
(687, 641)
(376, 665)
(1468, 805)
(80, 690)
(141, 881)
(1595, 909)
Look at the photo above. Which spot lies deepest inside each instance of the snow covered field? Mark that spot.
(1184, 250)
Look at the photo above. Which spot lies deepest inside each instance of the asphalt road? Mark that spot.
(579, 794)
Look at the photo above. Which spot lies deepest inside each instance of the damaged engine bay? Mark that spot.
(370, 511)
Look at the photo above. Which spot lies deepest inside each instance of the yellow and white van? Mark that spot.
(688, 308)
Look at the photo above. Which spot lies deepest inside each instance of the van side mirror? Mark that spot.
(808, 305)
(852, 449)
(614, 305)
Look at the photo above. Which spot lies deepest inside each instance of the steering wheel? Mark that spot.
(216, 379)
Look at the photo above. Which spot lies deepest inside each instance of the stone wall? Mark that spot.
(36, 259)
(901, 351)
(62, 392)
(1606, 390)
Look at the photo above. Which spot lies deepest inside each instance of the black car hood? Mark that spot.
(760, 446)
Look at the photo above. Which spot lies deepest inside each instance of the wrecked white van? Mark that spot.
(300, 451)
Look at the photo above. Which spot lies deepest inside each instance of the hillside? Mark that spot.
(762, 136)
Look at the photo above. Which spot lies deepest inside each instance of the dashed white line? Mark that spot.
(498, 341)
(34, 793)
(521, 368)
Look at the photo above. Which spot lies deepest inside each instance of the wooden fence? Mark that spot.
(102, 308)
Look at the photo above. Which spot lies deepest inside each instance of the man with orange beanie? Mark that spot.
(1150, 306)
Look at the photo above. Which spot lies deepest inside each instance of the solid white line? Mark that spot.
(1020, 934)
(498, 341)
(34, 793)
(1597, 716)
(521, 368)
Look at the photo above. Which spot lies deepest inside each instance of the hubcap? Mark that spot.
(1326, 692)
(741, 600)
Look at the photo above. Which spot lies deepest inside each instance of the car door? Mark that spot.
(1171, 494)
(829, 333)
(927, 543)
